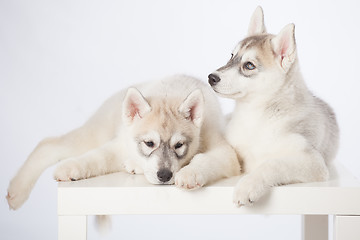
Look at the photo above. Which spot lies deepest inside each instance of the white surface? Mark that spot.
(59, 60)
(122, 193)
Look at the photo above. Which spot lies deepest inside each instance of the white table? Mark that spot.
(122, 193)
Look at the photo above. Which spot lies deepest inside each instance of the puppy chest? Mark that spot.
(253, 142)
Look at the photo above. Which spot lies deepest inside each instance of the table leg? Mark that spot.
(315, 227)
(346, 227)
(72, 227)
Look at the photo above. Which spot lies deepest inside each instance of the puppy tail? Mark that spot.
(103, 224)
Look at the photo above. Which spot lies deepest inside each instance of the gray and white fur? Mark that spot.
(281, 132)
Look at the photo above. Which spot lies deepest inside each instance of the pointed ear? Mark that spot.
(134, 105)
(193, 107)
(284, 46)
(257, 25)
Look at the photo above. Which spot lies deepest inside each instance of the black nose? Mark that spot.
(164, 175)
(213, 79)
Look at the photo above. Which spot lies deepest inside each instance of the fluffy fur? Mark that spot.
(155, 129)
(281, 132)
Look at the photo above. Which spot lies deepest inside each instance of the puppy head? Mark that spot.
(259, 64)
(165, 132)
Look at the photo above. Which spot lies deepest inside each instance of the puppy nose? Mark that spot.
(164, 175)
(213, 79)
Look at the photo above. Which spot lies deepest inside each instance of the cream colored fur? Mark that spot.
(174, 125)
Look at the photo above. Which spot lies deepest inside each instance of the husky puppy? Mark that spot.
(154, 129)
(281, 132)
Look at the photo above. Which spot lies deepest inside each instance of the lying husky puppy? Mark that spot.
(155, 129)
(281, 132)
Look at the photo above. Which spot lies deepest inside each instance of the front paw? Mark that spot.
(188, 178)
(69, 171)
(248, 190)
(132, 168)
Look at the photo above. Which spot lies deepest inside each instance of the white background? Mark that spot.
(59, 60)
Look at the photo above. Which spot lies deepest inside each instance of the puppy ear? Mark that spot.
(257, 25)
(193, 107)
(284, 46)
(134, 105)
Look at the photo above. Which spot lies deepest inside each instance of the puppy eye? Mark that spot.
(178, 145)
(150, 144)
(249, 66)
(232, 56)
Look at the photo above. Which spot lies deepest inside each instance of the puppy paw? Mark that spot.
(18, 193)
(69, 171)
(132, 168)
(189, 179)
(248, 190)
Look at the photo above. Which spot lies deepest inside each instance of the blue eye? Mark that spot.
(249, 66)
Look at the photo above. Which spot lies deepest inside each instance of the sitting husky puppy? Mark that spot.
(281, 132)
(155, 129)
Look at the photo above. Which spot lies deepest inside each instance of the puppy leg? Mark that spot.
(96, 162)
(47, 153)
(219, 162)
(304, 168)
